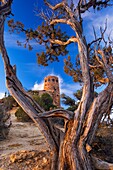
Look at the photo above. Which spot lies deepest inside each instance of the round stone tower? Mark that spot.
(51, 85)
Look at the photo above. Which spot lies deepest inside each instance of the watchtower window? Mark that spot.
(56, 80)
(48, 79)
(53, 80)
(45, 80)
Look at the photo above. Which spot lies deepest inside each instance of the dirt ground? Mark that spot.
(26, 149)
(23, 138)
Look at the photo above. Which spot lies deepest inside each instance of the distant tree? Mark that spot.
(44, 100)
(9, 102)
(68, 101)
(73, 103)
(78, 94)
(70, 146)
(22, 116)
(6, 105)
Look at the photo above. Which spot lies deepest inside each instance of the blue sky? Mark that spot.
(28, 71)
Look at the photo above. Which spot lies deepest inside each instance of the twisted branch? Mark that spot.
(57, 113)
(106, 65)
(70, 40)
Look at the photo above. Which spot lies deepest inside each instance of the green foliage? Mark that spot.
(4, 123)
(67, 100)
(73, 69)
(42, 35)
(71, 103)
(72, 108)
(22, 116)
(45, 101)
(9, 102)
(78, 94)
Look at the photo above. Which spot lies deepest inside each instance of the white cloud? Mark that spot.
(1, 95)
(38, 86)
(35, 68)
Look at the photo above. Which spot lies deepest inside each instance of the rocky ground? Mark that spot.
(24, 149)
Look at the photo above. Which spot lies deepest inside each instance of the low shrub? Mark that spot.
(22, 116)
(5, 123)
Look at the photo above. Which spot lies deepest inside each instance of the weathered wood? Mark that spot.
(101, 165)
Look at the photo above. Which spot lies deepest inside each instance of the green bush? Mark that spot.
(22, 116)
(45, 101)
(9, 103)
(4, 123)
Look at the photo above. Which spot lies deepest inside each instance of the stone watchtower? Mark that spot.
(51, 85)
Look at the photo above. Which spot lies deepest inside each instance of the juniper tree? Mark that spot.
(71, 146)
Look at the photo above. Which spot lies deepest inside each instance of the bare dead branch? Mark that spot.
(106, 65)
(70, 40)
(61, 128)
(56, 21)
(103, 80)
(103, 32)
(57, 113)
(101, 165)
(94, 41)
(97, 41)
(59, 5)
(96, 66)
(93, 3)
(98, 59)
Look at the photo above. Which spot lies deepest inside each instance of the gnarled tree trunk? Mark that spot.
(71, 147)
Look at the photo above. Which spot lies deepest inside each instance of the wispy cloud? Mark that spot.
(69, 89)
(37, 70)
(97, 20)
(11, 41)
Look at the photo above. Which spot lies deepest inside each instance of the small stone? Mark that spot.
(88, 148)
(44, 160)
(13, 158)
